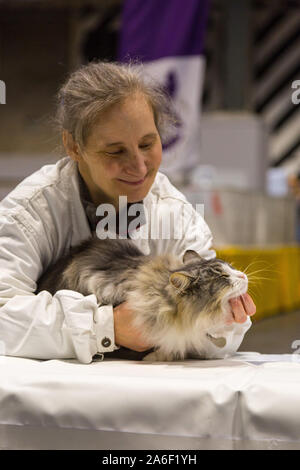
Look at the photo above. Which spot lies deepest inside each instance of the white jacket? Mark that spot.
(39, 221)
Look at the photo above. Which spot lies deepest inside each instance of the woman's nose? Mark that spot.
(137, 164)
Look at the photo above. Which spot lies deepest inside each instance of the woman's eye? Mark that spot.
(119, 152)
(145, 146)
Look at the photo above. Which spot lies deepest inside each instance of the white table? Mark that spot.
(249, 401)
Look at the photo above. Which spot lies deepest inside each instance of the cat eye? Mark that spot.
(221, 274)
(217, 271)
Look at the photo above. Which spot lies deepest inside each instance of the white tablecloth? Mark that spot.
(249, 401)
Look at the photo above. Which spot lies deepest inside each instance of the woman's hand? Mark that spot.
(241, 307)
(125, 333)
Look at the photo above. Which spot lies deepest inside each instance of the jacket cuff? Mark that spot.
(104, 329)
(233, 334)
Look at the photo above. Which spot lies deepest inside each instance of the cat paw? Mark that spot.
(159, 356)
(152, 357)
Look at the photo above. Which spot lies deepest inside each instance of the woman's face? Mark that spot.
(122, 154)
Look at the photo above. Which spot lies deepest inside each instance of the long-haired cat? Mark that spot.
(177, 303)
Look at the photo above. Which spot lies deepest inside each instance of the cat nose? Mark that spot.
(242, 275)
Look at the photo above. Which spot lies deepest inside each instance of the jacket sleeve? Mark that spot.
(42, 326)
(198, 237)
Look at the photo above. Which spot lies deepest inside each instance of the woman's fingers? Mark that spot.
(241, 307)
(249, 305)
(238, 310)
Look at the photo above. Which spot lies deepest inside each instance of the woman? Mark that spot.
(111, 123)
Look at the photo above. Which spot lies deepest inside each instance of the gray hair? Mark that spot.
(95, 87)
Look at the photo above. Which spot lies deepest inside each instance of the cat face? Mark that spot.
(207, 285)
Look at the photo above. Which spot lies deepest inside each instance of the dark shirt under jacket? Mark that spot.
(90, 208)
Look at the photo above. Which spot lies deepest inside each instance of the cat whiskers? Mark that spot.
(257, 262)
(263, 269)
(252, 262)
(255, 280)
(252, 276)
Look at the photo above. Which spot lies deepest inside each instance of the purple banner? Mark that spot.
(152, 29)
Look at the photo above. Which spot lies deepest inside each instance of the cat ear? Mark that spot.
(180, 281)
(191, 255)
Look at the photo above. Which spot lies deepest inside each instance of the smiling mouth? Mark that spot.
(133, 183)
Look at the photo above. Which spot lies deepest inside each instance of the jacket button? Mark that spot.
(106, 342)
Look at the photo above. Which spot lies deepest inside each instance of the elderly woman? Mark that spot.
(111, 122)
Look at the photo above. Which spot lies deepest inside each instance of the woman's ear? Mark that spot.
(70, 145)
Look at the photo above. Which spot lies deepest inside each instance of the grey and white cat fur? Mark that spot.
(176, 302)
